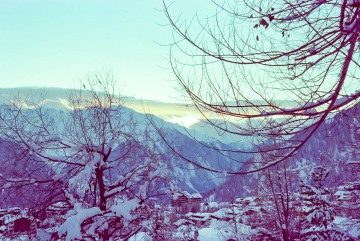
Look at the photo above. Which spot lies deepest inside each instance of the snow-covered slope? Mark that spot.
(336, 146)
(184, 174)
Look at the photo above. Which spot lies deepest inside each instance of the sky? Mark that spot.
(58, 43)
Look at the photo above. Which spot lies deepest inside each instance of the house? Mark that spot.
(183, 222)
(210, 207)
(198, 218)
(15, 221)
(184, 202)
(348, 200)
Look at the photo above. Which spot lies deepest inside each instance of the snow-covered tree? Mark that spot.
(107, 166)
(318, 212)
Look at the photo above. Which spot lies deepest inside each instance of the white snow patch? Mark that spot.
(208, 234)
(124, 209)
(72, 226)
(141, 236)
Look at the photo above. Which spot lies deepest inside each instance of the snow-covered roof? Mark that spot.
(198, 216)
(186, 194)
(221, 214)
(181, 222)
(343, 195)
(14, 209)
(211, 204)
(246, 199)
(11, 218)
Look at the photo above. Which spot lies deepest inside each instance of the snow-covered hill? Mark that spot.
(184, 174)
(336, 146)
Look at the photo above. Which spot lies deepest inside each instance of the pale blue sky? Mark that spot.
(56, 43)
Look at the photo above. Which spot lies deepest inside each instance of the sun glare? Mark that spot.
(186, 121)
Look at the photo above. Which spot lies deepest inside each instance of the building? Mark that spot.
(348, 200)
(14, 222)
(184, 202)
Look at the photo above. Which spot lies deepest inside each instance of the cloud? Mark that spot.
(58, 98)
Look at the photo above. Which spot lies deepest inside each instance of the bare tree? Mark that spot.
(276, 184)
(107, 164)
(271, 69)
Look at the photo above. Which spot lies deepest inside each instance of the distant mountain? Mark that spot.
(183, 115)
(186, 176)
(57, 98)
(336, 146)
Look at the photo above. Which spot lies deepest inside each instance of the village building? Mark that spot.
(184, 202)
(14, 222)
(348, 200)
(210, 207)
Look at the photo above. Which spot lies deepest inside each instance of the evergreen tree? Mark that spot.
(318, 211)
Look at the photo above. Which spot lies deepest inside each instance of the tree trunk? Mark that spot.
(102, 199)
